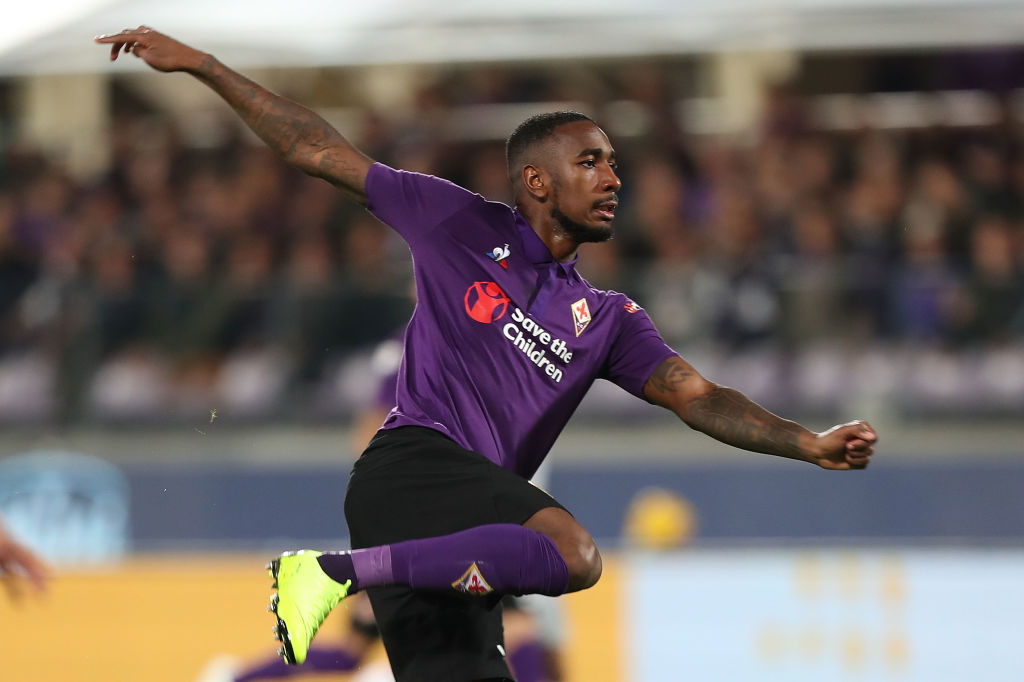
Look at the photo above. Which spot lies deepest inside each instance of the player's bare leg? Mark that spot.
(574, 543)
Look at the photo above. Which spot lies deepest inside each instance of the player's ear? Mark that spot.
(535, 181)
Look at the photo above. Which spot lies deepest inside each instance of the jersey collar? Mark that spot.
(537, 251)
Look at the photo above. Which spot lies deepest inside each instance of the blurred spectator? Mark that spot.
(308, 315)
(870, 229)
(811, 271)
(994, 302)
(18, 269)
(921, 291)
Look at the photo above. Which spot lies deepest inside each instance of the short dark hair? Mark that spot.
(535, 129)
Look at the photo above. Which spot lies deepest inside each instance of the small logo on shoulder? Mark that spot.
(472, 582)
(632, 307)
(580, 315)
(500, 254)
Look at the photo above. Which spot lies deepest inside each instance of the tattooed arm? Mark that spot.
(300, 136)
(729, 416)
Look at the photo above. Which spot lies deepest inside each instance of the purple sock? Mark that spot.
(528, 661)
(322, 658)
(339, 567)
(503, 558)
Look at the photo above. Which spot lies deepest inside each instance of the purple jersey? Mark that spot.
(505, 341)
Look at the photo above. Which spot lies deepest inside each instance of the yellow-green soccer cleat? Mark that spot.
(304, 597)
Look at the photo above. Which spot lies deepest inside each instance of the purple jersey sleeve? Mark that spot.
(636, 352)
(413, 203)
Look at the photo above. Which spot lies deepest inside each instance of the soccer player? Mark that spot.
(16, 559)
(505, 341)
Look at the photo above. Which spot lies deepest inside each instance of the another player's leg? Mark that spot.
(527, 655)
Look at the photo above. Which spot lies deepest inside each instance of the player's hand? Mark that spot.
(846, 446)
(17, 560)
(161, 52)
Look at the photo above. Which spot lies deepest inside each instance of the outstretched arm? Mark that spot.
(300, 136)
(729, 416)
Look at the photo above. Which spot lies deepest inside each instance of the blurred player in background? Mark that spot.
(17, 560)
(348, 655)
(506, 340)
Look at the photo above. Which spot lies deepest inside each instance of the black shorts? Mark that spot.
(413, 482)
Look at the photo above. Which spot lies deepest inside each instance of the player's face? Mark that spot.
(584, 182)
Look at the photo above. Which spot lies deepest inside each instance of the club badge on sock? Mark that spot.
(472, 582)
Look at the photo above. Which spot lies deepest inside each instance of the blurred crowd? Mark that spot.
(189, 277)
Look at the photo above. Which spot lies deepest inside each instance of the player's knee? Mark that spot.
(584, 562)
(574, 544)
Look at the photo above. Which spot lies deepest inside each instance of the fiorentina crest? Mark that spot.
(580, 315)
(472, 582)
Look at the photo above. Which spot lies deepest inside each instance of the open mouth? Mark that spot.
(606, 209)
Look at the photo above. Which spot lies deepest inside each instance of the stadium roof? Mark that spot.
(56, 38)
